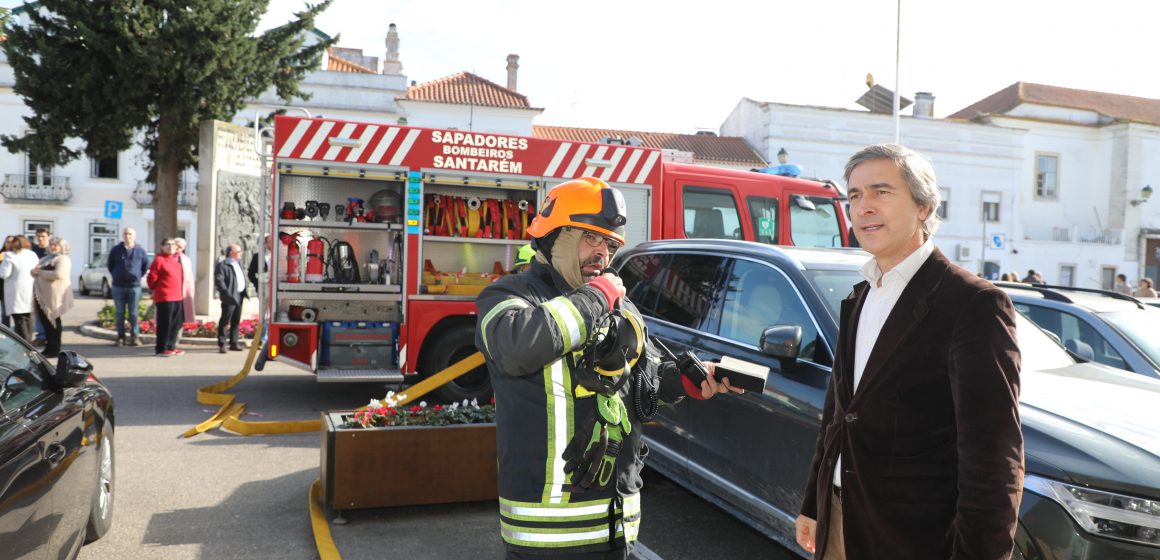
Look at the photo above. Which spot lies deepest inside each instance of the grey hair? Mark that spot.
(65, 247)
(180, 241)
(916, 170)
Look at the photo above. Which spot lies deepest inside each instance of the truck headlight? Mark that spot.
(1106, 514)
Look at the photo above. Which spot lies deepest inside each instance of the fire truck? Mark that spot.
(385, 234)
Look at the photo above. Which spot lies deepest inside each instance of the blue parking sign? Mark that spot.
(113, 209)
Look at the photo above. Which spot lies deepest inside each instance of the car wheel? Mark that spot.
(445, 349)
(101, 514)
(82, 287)
(106, 291)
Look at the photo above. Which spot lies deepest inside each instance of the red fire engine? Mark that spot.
(388, 232)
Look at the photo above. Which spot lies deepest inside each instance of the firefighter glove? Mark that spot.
(590, 458)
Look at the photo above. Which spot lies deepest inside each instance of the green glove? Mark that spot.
(590, 458)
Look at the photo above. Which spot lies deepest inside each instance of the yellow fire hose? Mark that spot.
(229, 412)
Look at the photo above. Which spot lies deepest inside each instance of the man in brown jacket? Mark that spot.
(920, 454)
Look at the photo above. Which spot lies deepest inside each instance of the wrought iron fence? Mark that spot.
(186, 194)
(35, 188)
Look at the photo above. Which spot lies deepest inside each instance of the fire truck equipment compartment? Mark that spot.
(359, 344)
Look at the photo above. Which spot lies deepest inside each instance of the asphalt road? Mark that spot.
(224, 496)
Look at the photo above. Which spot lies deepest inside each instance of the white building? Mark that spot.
(1032, 177)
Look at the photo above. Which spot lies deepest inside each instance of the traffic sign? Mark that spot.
(113, 209)
(997, 242)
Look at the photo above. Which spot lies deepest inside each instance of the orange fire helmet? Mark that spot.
(587, 203)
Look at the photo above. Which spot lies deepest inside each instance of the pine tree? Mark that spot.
(115, 72)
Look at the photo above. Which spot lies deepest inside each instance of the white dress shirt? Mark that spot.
(884, 292)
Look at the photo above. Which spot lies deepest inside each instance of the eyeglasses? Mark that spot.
(169, 243)
(596, 240)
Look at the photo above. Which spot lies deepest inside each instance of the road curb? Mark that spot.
(94, 330)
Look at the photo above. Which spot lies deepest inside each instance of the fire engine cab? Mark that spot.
(385, 234)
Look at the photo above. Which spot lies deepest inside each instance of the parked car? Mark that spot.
(1092, 488)
(1117, 330)
(95, 276)
(56, 453)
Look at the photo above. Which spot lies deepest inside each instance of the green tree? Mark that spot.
(115, 72)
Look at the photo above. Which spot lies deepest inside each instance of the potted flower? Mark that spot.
(386, 455)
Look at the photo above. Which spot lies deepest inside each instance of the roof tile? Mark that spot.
(466, 88)
(335, 63)
(1116, 106)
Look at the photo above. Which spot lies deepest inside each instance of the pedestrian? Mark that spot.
(252, 273)
(4, 318)
(1145, 289)
(187, 286)
(1032, 277)
(1122, 286)
(16, 270)
(569, 446)
(165, 278)
(127, 264)
(920, 454)
(43, 235)
(53, 292)
(231, 287)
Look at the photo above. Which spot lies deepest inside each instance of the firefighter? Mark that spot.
(523, 259)
(574, 377)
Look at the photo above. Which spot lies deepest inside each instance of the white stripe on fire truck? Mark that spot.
(405, 147)
(346, 132)
(363, 141)
(628, 167)
(614, 161)
(576, 159)
(599, 153)
(316, 141)
(384, 143)
(556, 159)
(647, 167)
(295, 137)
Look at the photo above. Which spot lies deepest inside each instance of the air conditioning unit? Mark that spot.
(963, 253)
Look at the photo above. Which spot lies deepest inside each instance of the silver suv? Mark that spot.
(1107, 327)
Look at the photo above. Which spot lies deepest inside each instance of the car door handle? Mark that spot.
(55, 454)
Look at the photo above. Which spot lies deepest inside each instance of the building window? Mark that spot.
(944, 196)
(1047, 176)
(103, 168)
(1067, 275)
(991, 201)
(1107, 277)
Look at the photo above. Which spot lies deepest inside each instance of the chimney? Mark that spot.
(391, 64)
(924, 105)
(513, 66)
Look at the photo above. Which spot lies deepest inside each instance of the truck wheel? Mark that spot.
(444, 350)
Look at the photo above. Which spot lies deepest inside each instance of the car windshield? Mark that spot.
(833, 286)
(1139, 326)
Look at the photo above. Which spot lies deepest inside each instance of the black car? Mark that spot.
(56, 453)
(1092, 488)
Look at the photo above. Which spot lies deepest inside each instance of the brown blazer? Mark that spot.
(932, 451)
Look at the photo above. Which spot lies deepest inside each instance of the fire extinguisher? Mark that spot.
(293, 257)
(315, 249)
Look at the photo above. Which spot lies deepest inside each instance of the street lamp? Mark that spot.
(1145, 194)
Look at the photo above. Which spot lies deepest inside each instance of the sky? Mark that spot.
(680, 66)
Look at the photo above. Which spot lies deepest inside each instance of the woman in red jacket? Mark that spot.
(165, 279)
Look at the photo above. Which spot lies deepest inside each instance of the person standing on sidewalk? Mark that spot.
(187, 313)
(41, 249)
(16, 270)
(231, 287)
(4, 318)
(127, 264)
(165, 280)
(53, 291)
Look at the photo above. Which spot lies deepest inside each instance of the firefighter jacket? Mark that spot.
(531, 328)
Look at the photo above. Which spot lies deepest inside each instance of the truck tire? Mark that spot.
(445, 349)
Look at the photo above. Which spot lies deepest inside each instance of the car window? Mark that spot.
(1037, 350)
(763, 212)
(679, 291)
(711, 214)
(1070, 329)
(22, 373)
(813, 222)
(757, 296)
(834, 286)
(1140, 326)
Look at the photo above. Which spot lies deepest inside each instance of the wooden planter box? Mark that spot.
(406, 465)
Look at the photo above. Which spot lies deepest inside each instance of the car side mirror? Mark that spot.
(1080, 349)
(804, 203)
(72, 369)
(783, 342)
